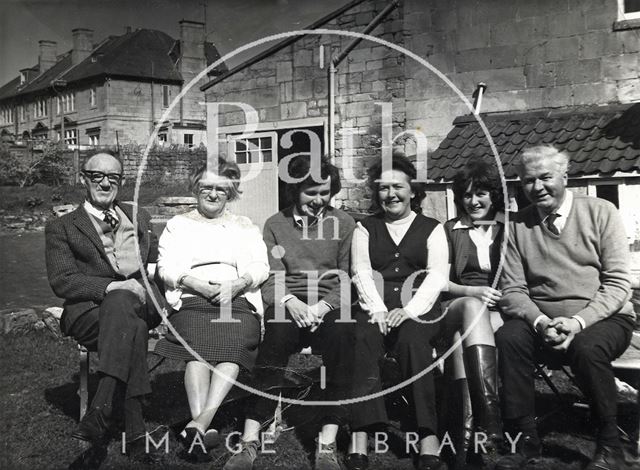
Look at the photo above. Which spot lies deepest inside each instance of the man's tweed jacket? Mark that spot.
(77, 265)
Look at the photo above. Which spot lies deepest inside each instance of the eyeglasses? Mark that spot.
(219, 190)
(98, 176)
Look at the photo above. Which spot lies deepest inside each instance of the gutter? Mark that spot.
(280, 45)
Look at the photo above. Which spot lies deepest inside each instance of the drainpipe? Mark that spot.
(336, 60)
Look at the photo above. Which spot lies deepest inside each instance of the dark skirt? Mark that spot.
(226, 341)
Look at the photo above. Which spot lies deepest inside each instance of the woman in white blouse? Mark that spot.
(212, 263)
(475, 242)
(408, 253)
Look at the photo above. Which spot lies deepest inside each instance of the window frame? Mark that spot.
(184, 139)
(623, 15)
(93, 97)
(166, 96)
(71, 136)
(234, 151)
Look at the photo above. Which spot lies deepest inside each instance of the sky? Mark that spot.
(229, 23)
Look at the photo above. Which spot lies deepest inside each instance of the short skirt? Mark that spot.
(222, 341)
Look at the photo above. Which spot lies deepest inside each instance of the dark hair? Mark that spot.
(399, 162)
(480, 174)
(300, 167)
(225, 168)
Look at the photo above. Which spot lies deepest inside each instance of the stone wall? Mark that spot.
(292, 85)
(531, 55)
(169, 164)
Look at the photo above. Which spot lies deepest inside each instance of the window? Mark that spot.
(40, 108)
(7, 115)
(23, 113)
(69, 102)
(259, 148)
(58, 105)
(94, 139)
(188, 140)
(628, 10)
(162, 138)
(71, 137)
(166, 96)
(92, 97)
(608, 192)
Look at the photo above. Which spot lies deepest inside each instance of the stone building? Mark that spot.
(111, 92)
(561, 72)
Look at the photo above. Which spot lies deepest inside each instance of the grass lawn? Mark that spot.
(40, 408)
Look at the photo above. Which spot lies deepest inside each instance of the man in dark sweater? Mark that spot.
(566, 287)
(308, 287)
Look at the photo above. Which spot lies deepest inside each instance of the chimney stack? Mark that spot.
(47, 55)
(82, 44)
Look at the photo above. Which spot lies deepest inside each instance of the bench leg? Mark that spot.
(84, 381)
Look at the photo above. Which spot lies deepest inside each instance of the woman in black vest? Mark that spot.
(475, 242)
(408, 252)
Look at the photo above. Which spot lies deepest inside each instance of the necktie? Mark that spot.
(110, 219)
(551, 219)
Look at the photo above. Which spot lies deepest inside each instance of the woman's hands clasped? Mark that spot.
(486, 294)
(218, 292)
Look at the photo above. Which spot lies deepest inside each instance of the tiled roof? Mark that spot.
(600, 140)
(142, 54)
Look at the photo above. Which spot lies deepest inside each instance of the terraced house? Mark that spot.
(112, 91)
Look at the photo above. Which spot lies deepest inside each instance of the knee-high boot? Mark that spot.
(482, 377)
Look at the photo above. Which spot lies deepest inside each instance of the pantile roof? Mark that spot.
(600, 140)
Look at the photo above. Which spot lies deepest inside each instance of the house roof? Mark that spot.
(279, 45)
(600, 140)
(143, 54)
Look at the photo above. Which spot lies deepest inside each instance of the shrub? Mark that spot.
(30, 167)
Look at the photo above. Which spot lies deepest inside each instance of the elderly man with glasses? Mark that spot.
(95, 265)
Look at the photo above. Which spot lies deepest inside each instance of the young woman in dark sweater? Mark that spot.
(308, 245)
(399, 315)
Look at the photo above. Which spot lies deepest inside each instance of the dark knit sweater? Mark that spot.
(321, 248)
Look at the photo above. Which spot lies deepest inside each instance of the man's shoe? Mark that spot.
(94, 427)
(149, 446)
(244, 459)
(607, 458)
(527, 450)
(326, 457)
(430, 462)
(357, 461)
(91, 458)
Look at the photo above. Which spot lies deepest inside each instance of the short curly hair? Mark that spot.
(479, 174)
(399, 162)
(226, 168)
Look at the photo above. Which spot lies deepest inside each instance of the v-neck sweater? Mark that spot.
(582, 271)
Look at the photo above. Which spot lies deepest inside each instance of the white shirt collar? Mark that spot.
(563, 210)
(465, 222)
(99, 213)
(301, 220)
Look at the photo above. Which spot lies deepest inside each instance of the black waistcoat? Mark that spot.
(398, 262)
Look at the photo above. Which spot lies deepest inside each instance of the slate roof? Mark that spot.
(600, 140)
(143, 54)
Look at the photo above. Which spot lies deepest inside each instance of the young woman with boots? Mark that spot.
(475, 240)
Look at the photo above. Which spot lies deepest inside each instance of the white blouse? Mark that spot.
(437, 268)
(220, 249)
